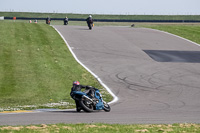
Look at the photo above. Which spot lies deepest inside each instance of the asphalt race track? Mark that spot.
(155, 75)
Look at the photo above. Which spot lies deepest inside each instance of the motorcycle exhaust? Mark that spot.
(88, 98)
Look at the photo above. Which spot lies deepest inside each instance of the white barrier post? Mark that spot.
(2, 18)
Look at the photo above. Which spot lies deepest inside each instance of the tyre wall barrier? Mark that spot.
(112, 20)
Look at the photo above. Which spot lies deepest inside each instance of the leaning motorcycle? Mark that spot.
(84, 101)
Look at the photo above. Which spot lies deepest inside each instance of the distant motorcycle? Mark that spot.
(48, 20)
(85, 101)
(89, 21)
(66, 21)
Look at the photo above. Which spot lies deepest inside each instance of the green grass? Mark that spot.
(36, 67)
(103, 128)
(191, 31)
(98, 16)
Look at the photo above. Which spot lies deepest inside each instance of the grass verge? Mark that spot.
(189, 31)
(105, 128)
(37, 69)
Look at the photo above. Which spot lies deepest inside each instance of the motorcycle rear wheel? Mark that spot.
(86, 107)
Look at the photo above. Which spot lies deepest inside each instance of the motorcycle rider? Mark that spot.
(66, 21)
(78, 87)
(48, 20)
(89, 20)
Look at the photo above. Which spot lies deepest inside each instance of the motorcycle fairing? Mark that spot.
(100, 104)
(79, 93)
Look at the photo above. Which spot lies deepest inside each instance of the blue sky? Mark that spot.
(135, 7)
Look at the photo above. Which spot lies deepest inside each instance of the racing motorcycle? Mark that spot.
(90, 23)
(66, 21)
(89, 102)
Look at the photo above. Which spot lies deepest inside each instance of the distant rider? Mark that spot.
(66, 21)
(48, 20)
(89, 20)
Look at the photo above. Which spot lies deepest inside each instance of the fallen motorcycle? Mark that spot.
(85, 101)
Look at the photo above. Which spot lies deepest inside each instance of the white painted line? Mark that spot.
(115, 98)
(174, 36)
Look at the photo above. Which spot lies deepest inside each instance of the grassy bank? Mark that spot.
(36, 68)
(190, 31)
(105, 128)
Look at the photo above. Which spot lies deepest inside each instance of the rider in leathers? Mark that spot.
(66, 21)
(89, 20)
(78, 87)
(48, 20)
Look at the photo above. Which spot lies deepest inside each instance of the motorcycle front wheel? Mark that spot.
(84, 103)
(107, 107)
(90, 26)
